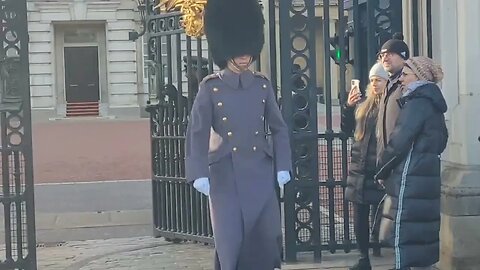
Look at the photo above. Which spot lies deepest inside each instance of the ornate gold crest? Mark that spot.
(192, 10)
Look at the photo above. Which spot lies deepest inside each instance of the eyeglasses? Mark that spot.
(406, 74)
(385, 55)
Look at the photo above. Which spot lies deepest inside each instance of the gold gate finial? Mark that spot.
(192, 14)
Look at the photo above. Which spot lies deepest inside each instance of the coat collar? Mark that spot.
(394, 78)
(235, 80)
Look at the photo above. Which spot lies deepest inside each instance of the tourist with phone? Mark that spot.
(359, 116)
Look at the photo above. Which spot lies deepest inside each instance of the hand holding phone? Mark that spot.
(355, 85)
(355, 95)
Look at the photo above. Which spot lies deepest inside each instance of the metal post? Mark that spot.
(299, 108)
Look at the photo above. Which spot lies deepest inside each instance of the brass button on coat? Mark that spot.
(263, 100)
(215, 89)
(224, 119)
(256, 132)
(229, 134)
(254, 148)
(234, 149)
(264, 86)
(219, 104)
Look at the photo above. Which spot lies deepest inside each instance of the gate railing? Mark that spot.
(179, 211)
(18, 243)
(316, 215)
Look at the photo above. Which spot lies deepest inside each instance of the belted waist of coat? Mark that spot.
(244, 151)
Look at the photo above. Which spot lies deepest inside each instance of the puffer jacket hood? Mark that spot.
(429, 91)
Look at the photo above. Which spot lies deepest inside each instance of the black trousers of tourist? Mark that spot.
(362, 227)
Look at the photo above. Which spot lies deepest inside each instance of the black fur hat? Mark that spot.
(233, 28)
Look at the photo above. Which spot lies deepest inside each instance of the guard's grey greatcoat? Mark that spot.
(244, 206)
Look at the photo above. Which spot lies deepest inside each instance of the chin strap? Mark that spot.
(239, 69)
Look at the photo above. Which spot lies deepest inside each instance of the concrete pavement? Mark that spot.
(147, 253)
(91, 210)
(98, 210)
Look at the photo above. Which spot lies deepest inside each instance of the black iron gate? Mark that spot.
(16, 193)
(316, 215)
(317, 46)
(176, 67)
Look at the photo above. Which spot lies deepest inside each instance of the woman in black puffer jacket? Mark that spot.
(361, 188)
(410, 168)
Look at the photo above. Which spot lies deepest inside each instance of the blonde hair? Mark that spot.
(363, 110)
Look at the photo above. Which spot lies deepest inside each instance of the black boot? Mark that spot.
(362, 264)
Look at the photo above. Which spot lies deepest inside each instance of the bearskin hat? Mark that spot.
(233, 28)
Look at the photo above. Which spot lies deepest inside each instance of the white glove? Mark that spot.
(283, 177)
(202, 185)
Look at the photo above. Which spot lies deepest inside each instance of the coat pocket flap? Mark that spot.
(216, 156)
(268, 150)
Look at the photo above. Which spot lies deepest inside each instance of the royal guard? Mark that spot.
(236, 166)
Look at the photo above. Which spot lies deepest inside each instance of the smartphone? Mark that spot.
(356, 83)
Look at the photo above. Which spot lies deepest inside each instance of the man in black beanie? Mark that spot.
(392, 55)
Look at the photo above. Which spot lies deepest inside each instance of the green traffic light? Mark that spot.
(338, 54)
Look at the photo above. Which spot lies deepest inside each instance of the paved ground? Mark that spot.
(91, 210)
(148, 253)
(91, 150)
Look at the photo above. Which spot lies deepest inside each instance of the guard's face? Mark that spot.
(243, 62)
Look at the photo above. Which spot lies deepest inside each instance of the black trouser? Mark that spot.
(362, 228)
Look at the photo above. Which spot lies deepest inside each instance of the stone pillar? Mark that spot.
(457, 50)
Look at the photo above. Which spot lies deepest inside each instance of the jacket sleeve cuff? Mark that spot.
(283, 161)
(348, 108)
(198, 168)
